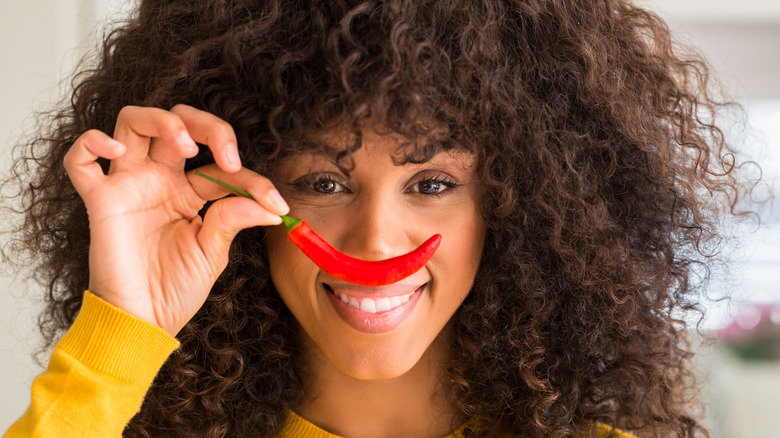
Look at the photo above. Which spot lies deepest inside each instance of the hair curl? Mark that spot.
(595, 141)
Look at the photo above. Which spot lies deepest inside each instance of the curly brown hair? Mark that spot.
(596, 144)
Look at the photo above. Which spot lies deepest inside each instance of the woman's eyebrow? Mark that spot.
(312, 160)
(335, 152)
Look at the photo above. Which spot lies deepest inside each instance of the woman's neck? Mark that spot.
(413, 404)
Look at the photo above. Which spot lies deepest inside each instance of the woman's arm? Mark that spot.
(97, 376)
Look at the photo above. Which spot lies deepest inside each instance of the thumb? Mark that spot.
(224, 219)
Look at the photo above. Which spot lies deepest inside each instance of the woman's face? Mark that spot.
(380, 210)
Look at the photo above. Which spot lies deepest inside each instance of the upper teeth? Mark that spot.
(374, 305)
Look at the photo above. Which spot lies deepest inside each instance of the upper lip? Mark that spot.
(391, 290)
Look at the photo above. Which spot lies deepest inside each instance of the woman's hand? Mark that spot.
(150, 253)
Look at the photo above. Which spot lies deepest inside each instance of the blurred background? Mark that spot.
(739, 339)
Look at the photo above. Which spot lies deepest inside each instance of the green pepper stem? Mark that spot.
(290, 222)
(225, 185)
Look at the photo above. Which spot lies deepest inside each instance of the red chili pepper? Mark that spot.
(357, 271)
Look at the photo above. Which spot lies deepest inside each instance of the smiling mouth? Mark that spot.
(372, 305)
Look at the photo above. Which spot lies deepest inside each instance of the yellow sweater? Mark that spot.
(100, 371)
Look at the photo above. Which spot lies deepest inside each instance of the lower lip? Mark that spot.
(374, 323)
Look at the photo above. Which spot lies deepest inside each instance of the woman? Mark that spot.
(560, 148)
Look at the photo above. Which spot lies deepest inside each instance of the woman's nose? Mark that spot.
(378, 229)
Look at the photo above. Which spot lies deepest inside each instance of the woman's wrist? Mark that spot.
(112, 341)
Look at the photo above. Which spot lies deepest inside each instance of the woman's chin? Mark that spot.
(375, 361)
(376, 368)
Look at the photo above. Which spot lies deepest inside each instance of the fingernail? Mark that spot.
(118, 147)
(231, 154)
(280, 206)
(187, 141)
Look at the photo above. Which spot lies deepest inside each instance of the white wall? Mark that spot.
(40, 42)
(742, 41)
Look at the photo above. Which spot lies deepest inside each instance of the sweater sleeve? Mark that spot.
(97, 377)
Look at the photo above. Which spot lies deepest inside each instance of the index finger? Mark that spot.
(217, 134)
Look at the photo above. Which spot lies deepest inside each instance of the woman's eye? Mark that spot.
(433, 186)
(320, 185)
(430, 187)
(326, 186)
